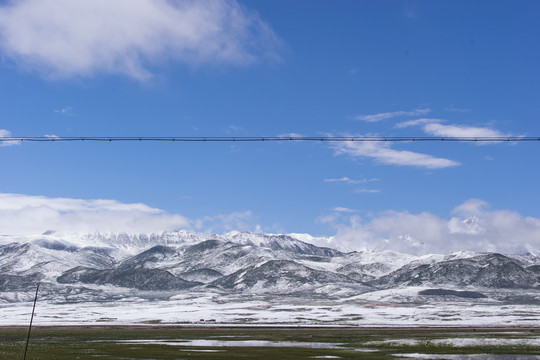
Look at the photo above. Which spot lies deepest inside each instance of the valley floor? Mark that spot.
(173, 342)
(367, 310)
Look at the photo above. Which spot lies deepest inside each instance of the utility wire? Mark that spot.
(268, 138)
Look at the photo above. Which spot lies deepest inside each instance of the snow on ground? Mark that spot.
(235, 343)
(208, 308)
(461, 342)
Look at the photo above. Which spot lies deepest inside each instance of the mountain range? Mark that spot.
(103, 267)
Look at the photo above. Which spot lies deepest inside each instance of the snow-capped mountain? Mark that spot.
(92, 267)
(474, 225)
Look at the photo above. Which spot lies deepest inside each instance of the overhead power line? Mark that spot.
(267, 138)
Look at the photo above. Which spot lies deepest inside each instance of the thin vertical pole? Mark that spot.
(31, 319)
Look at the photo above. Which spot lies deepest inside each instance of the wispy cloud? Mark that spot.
(436, 127)
(384, 154)
(417, 122)
(390, 115)
(328, 219)
(290, 135)
(68, 110)
(474, 227)
(351, 181)
(367, 191)
(461, 131)
(471, 207)
(66, 38)
(6, 134)
(344, 209)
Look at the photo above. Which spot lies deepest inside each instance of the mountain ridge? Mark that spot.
(117, 265)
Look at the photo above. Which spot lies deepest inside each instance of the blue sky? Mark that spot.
(270, 68)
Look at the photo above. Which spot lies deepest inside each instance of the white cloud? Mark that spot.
(367, 191)
(460, 131)
(390, 115)
(29, 215)
(351, 181)
(344, 209)
(290, 135)
(68, 110)
(473, 228)
(417, 122)
(24, 215)
(7, 134)
(384, 154)
(66, 38)
(436, 128)
(328, 219)
(471, 207)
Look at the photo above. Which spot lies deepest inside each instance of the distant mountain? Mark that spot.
(286, 276)
(142, 279)
(487, 270)
(96, 267)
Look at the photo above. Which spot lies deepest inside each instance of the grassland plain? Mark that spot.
(160, 342)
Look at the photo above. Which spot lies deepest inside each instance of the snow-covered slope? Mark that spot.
(123, 242)
(86, 267)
